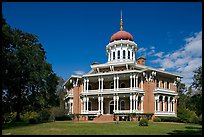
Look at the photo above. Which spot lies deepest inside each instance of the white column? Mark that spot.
(158, 104)
(87, 86)
(141, 82)
(84, 101)
(134, 81)
(116, 54)
(163, 99)
(84, 85)
(130, 81)
(117, 102)
(117, 83)
(101, 84)
(114, 98)
(155, 104)
(173, 105)
(126, 54)
(142, 103)
(101, 105)
(109, 56)
(87, 104)
(169, 104)
(136, 100)
(134, 96)
(114, 83)
(130, 103)
(133, 55)
(137, 81)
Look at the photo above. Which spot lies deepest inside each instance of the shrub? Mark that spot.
(143, 122)
(91, 117)
(200, 119)
(169, 119)
(187, 116)
(157, 119)
(9, 118)
(63, 118)
(32, 117)
(44, 115)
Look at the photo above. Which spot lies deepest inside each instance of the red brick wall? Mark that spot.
(148, 101)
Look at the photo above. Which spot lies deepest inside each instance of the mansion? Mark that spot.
(122, 85)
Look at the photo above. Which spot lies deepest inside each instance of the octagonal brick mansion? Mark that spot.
(123, 84)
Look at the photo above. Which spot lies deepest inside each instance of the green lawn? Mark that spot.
(90, 128)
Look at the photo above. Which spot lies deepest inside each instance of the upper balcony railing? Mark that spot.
(164, 90)
(109, 91)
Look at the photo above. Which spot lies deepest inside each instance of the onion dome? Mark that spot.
(124, 35)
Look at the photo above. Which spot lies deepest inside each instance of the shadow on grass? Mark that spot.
(190, 130)
(18, 124)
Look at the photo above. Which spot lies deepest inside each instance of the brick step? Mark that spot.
(104, 118)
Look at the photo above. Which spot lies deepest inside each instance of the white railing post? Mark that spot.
(163, 101)
(99, 104)
(117, 83)
(102, 105)
(87, 104)
(99, 84)
(114, 98)
(87, 86)
(137, 81)
(84, 85)
(117, 102)
(114, 83)
(130, 103)
(142, 103)
(130, 81)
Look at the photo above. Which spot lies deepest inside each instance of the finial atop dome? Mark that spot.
(121, 21)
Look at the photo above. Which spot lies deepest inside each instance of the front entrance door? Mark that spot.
(111, 108)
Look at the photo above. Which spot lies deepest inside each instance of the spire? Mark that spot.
(121, 21)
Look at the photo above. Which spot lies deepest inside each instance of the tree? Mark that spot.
(195, 102)
(28, 81)
(197, 78)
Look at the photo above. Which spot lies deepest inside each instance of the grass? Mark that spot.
(90, 128)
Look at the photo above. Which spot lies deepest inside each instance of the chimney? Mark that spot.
(141, 60)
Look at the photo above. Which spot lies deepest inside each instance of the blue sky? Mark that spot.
(75, 34)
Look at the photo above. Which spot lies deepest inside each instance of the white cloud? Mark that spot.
(152, 47)
(79, 72)
(159, 54)
(184, 60)
(141, 50)
(151, 52)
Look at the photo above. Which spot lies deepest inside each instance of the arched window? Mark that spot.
(89, 106)
(128, 54)
(162, 83)
(122, 105)
(90, 87)
(123, 54)
(122, 85)
(157, 82)
(132, 55)
(113, 55)
(118, 54)
(167, 85)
